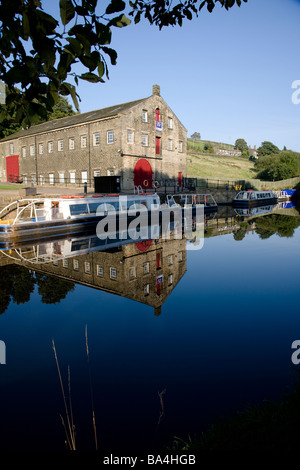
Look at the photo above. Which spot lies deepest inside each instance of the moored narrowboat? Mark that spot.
(254, 198)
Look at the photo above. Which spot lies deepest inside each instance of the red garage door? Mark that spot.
(143, 174)
(12, 168)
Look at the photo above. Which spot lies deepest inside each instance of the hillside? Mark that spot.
(202, 164)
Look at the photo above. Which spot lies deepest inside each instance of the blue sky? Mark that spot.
(227, 75)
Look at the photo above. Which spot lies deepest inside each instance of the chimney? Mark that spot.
(156, 90)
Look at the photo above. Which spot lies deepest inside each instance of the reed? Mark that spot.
(68, 422)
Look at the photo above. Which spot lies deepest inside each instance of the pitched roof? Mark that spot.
(74, 120)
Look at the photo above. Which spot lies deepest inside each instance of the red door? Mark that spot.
(180, 179)
(12, 168)
(143, 174)
(157, 145)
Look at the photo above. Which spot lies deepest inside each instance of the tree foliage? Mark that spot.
(280, 166)
(267, 148)
(242, 145)
(38, 52)
(196, 136)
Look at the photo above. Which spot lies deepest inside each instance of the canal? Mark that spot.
(179, 336)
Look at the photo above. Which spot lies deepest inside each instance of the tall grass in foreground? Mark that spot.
(68, 422)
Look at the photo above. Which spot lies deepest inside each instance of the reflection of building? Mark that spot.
(146, 271)
(139, 141)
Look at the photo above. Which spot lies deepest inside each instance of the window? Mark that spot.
(180, 256)
(170, 279)
(144, 116)
(110, 172)
(130, 137)
(24, 152)
(170, 144)
(144, 140)
(32, 150)
(87, 267)
(60, 145)
(146, 289)
(99, 270)
(84, 176)
(25, 179)
(132, 272)
(72, 177)
(51, 178)
(110, 137)
(50, 147)
(83, 141)
(97, 172)
(71, 143)
(75, 264)
(96, 139)
(146, 268)
(180, 148)
(42, 180)
(65, 263)
(113, 273)
(61, 177)
(11, 148)
(170, 260)
(41, 148)
(170, 123)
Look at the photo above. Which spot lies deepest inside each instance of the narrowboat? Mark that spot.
(40, 218)
(254, 198)
(286, 194)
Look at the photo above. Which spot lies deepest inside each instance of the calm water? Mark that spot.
(210, 330)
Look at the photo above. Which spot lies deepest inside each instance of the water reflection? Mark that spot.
(145, 271)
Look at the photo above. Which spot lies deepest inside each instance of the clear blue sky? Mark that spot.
(227, 75)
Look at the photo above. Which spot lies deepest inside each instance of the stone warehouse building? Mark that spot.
(140, 141)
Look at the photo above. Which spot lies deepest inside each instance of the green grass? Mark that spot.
(9, 187)
(205, 166)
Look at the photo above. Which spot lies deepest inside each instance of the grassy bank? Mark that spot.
(205, 166)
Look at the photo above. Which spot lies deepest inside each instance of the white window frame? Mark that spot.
(61, 177)
(60, 145)
(100, 270)
(24, 152)
(83, 141)
(180, 257)
(145, 141)
(65, 263)
(96, 139)
(11, 148)
(71, 143)
(146, 267)
(72, 176)
(170, 144)
(50, 146)
(130, 137)
(170, 279)
(51, 178)
(144, 115)
(87, 267)
(41, 148)
(97, 173)
(110, 137)
(170, 122)
(84, 176)
(113, 273)
(146, 289)
(132, 272)
(180, 146)
(110, 172)
(75, 264)
(32, 150)
(42, 180)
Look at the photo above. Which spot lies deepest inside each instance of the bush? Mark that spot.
(278, 166)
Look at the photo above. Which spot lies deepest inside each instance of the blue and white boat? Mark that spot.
(254, 198)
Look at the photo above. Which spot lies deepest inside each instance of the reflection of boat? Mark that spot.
(252, 211)
(193, 200)
(254, 198)
(285, 194)
(65, 214)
